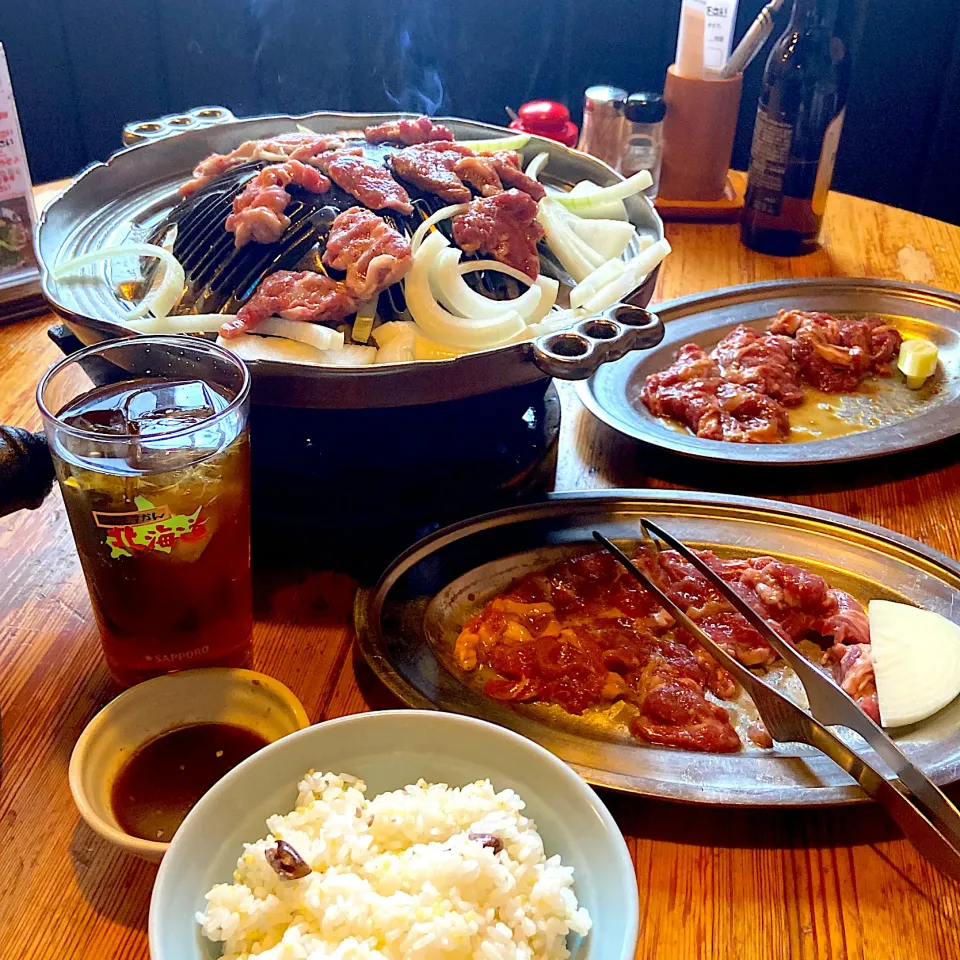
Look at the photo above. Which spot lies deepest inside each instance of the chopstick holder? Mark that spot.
(698, 132)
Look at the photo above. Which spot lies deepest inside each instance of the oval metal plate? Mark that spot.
(408, 622)
(125, 198)
(904, 419)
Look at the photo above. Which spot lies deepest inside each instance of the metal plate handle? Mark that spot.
(575, 354)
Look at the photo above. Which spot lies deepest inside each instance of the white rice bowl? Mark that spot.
(398, 876)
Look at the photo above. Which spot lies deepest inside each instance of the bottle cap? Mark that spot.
(604, 94)
(644, 108)
(546, 118)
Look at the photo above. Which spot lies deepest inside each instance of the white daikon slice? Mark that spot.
(916, 660)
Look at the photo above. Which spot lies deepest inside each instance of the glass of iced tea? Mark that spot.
(150, 442)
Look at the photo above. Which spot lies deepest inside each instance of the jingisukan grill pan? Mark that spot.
(130, 197)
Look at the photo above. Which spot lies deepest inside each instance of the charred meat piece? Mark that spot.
(504, 226)
(276, 149)
(369, 182)
(490, 173)
(258, 210)
(419, 130)
(373, 254)
(307, 296)
(431, 170)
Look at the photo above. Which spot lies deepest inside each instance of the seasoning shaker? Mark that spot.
(602, 133)
(642, 146)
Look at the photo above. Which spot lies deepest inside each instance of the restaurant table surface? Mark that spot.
(835, 883)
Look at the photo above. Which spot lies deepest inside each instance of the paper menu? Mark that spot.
(17, 212)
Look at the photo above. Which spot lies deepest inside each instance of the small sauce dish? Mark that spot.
(238, 698)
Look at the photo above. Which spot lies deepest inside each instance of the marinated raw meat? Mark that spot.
(431, 170)
(419, 130)
(504, 226)
(307, 296)
(835, 355)
(286, 146)
(741, 389)
(370, 182)
(373, 254)
(852, 666)
(584, 633)
(693, 391)
(258, 210)
(763, 362)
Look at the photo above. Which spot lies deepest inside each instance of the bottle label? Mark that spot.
(769, 159)
(828, 156)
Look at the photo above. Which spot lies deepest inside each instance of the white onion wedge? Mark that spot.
(597, 280)
(516, 142)
(634, 271)
(441, 325)
(159, 301)
(386, 332)
(251, 347)
(610, 238)
(536, 165)
(916, 661)
(398, 346)
(617, 191)
(604, 211)
(444, 213)
(577, 258)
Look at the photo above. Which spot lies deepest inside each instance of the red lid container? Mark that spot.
(546, 118)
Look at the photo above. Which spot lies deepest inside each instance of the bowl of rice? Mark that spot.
(397, 834)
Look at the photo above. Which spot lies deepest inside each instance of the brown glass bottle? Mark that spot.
(799, 119)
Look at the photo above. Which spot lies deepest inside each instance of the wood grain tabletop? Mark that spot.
(826, 884)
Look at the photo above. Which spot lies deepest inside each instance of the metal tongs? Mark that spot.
(922, 811)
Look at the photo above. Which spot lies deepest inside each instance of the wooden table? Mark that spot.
(755, 885)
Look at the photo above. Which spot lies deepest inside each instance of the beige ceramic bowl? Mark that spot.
(240, 697)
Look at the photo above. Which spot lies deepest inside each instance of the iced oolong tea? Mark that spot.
(160, 510)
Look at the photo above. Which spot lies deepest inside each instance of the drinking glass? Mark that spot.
(150, 443)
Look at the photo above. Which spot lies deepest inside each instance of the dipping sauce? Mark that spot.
(158, 786)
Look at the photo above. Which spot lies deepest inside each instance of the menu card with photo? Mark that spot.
(18, 263)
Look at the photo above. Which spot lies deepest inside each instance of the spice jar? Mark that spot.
(602, 135)
(642, 148)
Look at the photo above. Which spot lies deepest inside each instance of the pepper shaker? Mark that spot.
(643, 137)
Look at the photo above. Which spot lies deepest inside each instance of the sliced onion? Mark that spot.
(610, 238)
(444, 213)
(606, 211)
(516, 142)
(577, 258)
(550, 288)
(159, 301)
(634, 272)
(441, 325)
(386, 332)
(426, 349)
(456, 296)
(188, 323)
(252, 347)
(600, 277)
(617, 191)
(316, 335)
(536, 165)
(398, 346)
(553, 322)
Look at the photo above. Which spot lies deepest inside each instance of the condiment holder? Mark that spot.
(242, 698)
